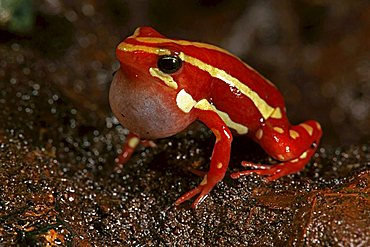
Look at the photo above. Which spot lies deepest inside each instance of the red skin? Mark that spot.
(147, 107)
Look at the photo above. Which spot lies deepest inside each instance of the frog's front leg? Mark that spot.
(292, 146)
(132, 141)
(219, 160)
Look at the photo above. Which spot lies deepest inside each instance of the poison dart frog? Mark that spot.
(163, 85)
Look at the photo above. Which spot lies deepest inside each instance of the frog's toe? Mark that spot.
(188, 195)
(270, 172)
(252, 165)
(203, 189)
(275, 171)
(197, 172)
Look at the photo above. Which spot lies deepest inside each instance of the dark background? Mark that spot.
(58, 138)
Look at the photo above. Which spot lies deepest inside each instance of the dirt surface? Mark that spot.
(58, 139)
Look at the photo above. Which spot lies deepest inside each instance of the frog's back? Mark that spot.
(237, 89)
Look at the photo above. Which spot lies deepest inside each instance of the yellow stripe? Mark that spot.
(241, 129)
(166, 78)
(152, 40)
(205, 105)
(265, 109)
(277, 113)
(131, 48)
(186, 102)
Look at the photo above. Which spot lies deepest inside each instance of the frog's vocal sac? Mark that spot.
(164, 84)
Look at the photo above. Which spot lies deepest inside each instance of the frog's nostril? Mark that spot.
(314, 145)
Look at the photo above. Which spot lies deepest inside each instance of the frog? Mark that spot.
(164, 84)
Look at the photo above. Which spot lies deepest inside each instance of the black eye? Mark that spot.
(169, 63)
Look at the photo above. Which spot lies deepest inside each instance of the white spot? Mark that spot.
(279, 130)
(219, 165)
(308, 128)
(204, 181)
(133, 142)
(184, 101)
(303, 155)
(259, 134)
(280, 157)
(293, 134)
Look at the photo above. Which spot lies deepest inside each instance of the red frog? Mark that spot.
(164, 84)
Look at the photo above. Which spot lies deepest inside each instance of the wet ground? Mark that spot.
(58, 139)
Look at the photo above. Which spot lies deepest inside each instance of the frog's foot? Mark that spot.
(202, 189)
(272, 172)
(276, 171)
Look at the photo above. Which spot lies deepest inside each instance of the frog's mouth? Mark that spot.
(114, 73)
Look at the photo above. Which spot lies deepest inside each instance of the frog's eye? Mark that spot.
(169, 63)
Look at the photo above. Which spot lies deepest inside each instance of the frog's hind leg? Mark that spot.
(292, 146)
(276, 171)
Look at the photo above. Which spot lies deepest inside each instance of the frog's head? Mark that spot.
(143, 92)
(147, 56)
